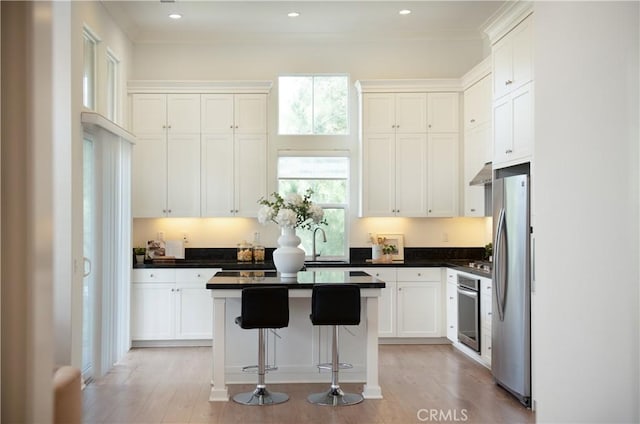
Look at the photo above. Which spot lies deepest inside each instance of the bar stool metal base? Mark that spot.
(261, 396)
(335, 397)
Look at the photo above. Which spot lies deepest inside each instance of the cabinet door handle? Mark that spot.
(450, 297)
(151, 275)
(472, 121)
(508, 82)
(488, 313)
(473, 209)
(508, 151)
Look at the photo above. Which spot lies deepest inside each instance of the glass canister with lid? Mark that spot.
(244, 251)
(258, 249)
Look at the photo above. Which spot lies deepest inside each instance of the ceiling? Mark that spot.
(147, 21)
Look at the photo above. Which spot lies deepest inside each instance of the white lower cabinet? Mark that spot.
(171, 304)
(485, 320)
(411, 303)
(452, 306)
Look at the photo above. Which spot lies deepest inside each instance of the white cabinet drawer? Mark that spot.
(153, 275)
(384, 274)
(452, 276)
(195, 275)
(419, 274)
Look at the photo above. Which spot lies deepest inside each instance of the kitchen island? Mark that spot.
(297, 349)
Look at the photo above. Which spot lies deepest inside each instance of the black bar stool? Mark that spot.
(335, 304)
(263, 308)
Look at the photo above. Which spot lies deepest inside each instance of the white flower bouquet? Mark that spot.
(291, 211)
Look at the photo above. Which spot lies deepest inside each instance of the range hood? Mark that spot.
(483, 177)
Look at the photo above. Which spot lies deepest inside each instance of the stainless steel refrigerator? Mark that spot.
(511, 322)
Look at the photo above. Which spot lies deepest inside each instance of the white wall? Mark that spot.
(68, 194)
(586, 323)
(265, 61)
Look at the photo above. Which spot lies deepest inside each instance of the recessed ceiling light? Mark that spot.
(175, 16)
(293, 14)
(404, 12)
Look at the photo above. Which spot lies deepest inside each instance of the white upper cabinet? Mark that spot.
(234, 153)
(165, 178)
(442, 175)
(396, 126)
(443, 112)
(394, 113)
(477, 104)
(513, 95)
(234, 113)
(513, 59)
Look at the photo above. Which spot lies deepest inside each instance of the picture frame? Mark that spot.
(396, 240)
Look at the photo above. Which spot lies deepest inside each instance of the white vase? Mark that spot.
(288, 257)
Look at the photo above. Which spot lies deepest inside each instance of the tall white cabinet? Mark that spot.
(234, 153)
(409, 149)
(512, 68)
(165, 180)
(478, 147)
(201, 148)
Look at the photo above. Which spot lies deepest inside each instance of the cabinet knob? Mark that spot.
(489, 348)
(399, 288)
(429, 210)
(169, 210)
(164, 127)
(508, 82)
(150, 275)
(451, 326)
(419, 274)
(473, 209)
(231, 126)
(508, 151)
(488, 313)
(472, 121)
(488, 287)
(377, 274)
(450, 297)
(198, 276)
(169, 126)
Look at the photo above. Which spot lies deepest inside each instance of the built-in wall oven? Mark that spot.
(469, 311)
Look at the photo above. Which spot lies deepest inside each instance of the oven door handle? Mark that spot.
(469, 293)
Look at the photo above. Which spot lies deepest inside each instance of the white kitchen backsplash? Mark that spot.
(228, 232)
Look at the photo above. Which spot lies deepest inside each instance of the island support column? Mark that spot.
(371, 389)
(218, 387)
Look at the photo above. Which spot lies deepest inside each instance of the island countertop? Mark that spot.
(234, 280)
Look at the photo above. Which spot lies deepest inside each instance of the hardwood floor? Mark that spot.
(420, 383)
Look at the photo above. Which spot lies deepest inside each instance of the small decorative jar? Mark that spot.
(244, 252)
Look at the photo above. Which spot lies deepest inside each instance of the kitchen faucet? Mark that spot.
(324, 240)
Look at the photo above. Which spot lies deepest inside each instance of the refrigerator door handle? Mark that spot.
(499, 264)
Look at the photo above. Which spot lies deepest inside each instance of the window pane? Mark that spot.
(88, 74)
(313, 167)
(330, 105)
(324, 191)
(295, 101)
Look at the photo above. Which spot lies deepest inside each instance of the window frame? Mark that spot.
(88, 35)
(313, 76)
(112, 84)
(344, 206)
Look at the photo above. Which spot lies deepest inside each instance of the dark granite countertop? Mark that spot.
(233, 280)
(456, 258)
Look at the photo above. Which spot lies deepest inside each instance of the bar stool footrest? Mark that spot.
(329, 366)
(254, 368)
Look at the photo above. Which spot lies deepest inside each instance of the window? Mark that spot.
(112, 86)
(90, 42)
(328, 177)
(313, 104)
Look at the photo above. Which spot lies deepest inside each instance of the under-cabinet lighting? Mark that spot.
(175, 16)
(405, 12)
(293, 14)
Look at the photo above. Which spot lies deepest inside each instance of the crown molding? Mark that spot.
(199, 87)
(408, 85)
(506, 18)
(476, 73)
